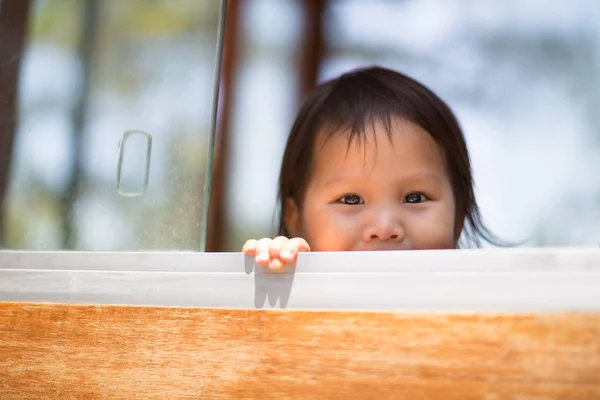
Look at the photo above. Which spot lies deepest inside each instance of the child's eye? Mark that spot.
(351, 199)
(414, 198)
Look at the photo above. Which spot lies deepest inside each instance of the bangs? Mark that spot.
(355, 105)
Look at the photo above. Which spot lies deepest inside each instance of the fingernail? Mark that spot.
(275, 264)
(286, 253)
(262, 257)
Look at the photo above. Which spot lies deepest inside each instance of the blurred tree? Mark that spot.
(13, 29)
(87, 44)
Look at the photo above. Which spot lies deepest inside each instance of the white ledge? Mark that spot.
(490, 280)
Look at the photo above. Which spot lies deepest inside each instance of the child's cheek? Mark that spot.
(431, 228)
(333, 231)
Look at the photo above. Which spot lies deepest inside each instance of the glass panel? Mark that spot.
(111, 137)
(522, 78)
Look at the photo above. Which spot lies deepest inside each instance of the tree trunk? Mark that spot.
(89, 28)
(13, 33)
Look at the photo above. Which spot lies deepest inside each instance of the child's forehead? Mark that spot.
(401, 136)
(405, 148)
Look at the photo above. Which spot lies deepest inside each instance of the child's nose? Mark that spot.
(385, 227)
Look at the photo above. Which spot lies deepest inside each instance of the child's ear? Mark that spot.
(291, 217)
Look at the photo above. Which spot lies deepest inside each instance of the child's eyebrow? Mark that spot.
(424, 176)
(410, 178)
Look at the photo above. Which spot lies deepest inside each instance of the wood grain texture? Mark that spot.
(53, 351)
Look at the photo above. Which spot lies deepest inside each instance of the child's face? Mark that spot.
(378, 194)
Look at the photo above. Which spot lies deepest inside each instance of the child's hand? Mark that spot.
(275, 252)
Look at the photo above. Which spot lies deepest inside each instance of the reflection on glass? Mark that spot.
(90, 71)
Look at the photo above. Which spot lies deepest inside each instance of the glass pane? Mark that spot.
(522, 78)
(110, 140)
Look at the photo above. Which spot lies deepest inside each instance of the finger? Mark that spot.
(250, 247)
(262, 251)
(290, 250)
(275, 246)
(275, 263)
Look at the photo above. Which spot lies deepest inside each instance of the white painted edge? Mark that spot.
(490, 280)
(567, 259)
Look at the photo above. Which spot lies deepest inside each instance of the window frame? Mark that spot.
(482, 280)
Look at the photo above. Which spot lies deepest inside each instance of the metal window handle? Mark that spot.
(126, 135)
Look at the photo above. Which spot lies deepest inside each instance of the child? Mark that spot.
(374, 161)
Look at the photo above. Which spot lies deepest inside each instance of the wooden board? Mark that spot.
(54, 351)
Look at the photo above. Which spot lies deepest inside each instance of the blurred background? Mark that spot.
(75, 75)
